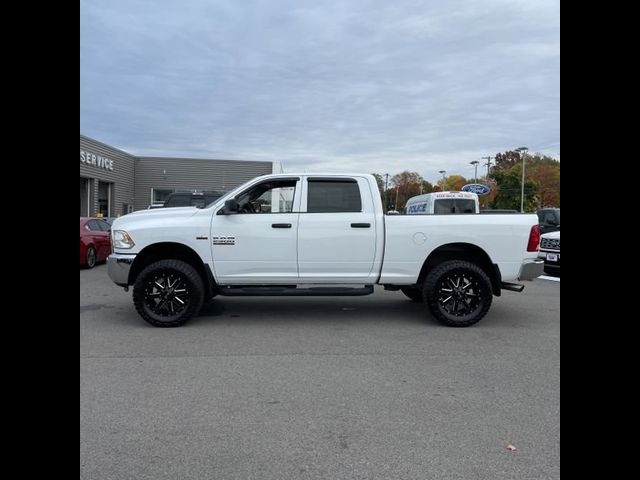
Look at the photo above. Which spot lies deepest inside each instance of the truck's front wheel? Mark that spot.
(167, 293)
(458, 293)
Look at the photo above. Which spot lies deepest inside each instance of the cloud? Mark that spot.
(371, 86)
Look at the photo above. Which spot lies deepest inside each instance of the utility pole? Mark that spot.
(386, 193)
(488, 164)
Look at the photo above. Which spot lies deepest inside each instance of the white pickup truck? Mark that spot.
(318, 234)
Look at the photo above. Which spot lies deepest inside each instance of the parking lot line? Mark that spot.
(546, 277)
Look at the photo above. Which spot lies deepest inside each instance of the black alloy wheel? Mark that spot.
(168, 292)
(458, 293)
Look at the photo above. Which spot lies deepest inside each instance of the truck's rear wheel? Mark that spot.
(167, 293)
(414, 293)
(458, 293)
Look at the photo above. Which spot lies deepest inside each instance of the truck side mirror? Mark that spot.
(231, 206)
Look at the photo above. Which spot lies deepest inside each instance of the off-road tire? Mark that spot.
(167, 293)
(458, 293)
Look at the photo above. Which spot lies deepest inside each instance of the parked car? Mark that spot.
(95, 241)
(549, 219)
(550, 252)
(191, 199)
(155, 205)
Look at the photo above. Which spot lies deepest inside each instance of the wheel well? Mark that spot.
(171, 250)
(463, 251)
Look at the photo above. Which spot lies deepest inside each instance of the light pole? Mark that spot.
(522, 151)
(443, 172)
(475, 176)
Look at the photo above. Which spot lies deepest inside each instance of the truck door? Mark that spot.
(337, 230)
(259, 243)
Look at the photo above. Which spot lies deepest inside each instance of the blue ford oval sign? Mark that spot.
(478, 188)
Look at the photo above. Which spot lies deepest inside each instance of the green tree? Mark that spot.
(541, 170)
(427, 187)
(508, 192)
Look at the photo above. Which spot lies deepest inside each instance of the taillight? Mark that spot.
(534, 239)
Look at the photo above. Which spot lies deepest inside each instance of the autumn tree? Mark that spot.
(545, 173)
(405, 185)
(505, 161)
(541, 170)
(380, 182)
(454, 183)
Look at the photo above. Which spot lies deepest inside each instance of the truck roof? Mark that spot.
(317, 174)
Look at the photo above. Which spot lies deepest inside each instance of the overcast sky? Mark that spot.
(363, 86)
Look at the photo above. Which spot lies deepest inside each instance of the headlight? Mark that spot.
(121, 239)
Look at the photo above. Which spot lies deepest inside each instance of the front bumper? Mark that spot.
(118, 267)
(531, 269)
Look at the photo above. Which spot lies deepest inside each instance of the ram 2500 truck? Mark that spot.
(318, 234)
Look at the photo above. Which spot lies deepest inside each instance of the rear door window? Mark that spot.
(94, 226)
(333, 195)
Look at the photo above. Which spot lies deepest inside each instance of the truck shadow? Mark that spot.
(300, 310)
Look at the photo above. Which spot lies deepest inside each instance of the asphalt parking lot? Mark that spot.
(319, 388)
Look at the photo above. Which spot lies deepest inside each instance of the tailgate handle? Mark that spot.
(280, 225)
(360, 225)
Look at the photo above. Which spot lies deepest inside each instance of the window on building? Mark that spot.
(333, 195)
(161, 194)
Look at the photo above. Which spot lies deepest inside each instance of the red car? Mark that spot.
(95, 241)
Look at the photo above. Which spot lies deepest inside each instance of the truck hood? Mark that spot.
(155, 215)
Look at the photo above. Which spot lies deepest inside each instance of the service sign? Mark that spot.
(477, 188)
(99, 161)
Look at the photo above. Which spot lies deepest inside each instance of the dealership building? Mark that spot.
(114, 182)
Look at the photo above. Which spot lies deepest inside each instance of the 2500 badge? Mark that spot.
(224, 240)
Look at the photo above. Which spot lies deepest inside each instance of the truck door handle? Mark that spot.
(280, 225)
(360, 225)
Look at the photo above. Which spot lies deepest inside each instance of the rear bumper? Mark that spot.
(531, 269)
(118, 267)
